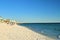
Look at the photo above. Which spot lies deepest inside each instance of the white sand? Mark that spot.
(15, 32)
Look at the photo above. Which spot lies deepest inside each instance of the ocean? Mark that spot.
(48, 29)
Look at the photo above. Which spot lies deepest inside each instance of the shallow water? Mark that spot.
(48, 29)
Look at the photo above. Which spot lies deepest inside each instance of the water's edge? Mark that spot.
(48, 29)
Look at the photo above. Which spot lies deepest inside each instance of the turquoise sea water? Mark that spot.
(48, 29)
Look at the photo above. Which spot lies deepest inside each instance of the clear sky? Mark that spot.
(31, 10)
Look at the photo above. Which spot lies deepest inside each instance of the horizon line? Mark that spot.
(38, 22)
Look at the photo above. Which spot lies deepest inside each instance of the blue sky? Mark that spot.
(31, 10)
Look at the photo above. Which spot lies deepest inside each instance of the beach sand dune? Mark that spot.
(15, 32)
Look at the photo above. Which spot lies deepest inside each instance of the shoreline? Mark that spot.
(15, 32)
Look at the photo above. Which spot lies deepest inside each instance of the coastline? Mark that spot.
(15, 32)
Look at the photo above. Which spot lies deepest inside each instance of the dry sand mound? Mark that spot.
(15, 32)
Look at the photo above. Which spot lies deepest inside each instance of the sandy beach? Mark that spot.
(15, 32)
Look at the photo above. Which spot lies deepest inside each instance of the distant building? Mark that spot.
(8, 21)
(1, 19)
